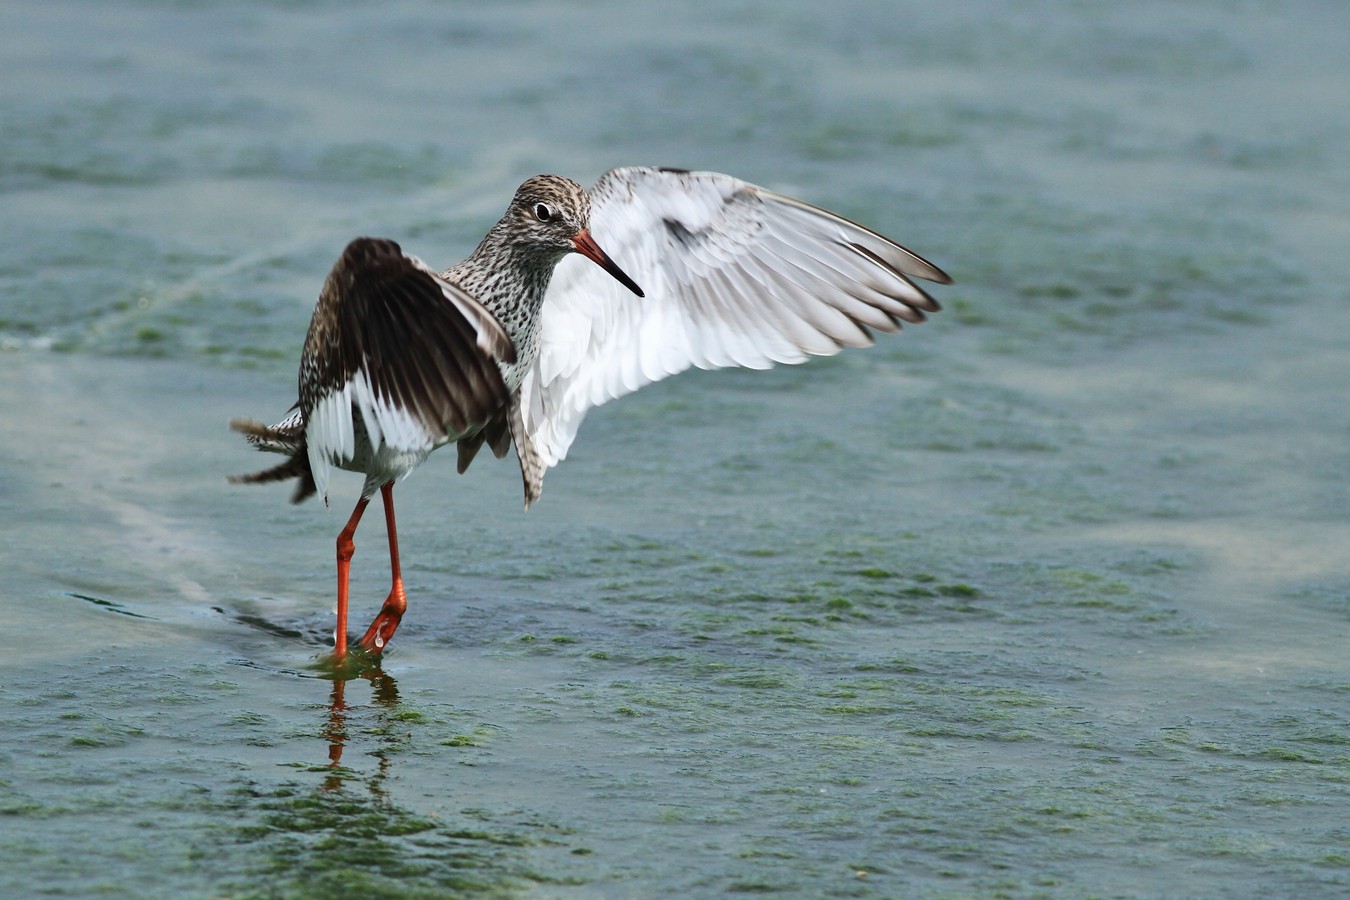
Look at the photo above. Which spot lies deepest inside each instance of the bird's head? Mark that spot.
(554, 214)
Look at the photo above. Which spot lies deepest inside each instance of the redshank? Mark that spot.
(514, 345)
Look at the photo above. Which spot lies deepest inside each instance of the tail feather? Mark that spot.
(278, 439)
(284, 437)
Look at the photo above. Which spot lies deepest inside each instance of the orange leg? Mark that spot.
(382, 629)
(345, 548)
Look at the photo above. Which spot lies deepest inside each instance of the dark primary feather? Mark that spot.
(381, 314)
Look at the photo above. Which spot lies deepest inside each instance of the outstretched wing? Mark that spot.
(413, 354)
(734, 275)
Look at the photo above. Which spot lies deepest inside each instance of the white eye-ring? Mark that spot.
(543, 212)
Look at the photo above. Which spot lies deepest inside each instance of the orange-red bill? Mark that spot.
(588, 248)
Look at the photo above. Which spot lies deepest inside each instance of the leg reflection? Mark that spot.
(384, 696)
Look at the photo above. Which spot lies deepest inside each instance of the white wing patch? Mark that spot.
(332, 436)
(329, 436)
(734, 275)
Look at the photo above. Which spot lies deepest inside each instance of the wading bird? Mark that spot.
(515, 344)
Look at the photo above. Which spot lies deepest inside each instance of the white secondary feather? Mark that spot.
(329, 436)
(734, 275)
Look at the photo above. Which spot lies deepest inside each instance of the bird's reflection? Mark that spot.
(336, 730)
(346, 826)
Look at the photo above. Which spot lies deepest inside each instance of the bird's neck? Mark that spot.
(510, 281)
(507, 277)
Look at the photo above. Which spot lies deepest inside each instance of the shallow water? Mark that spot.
(1048, 596)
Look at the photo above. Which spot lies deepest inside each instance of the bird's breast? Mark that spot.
(526, 340)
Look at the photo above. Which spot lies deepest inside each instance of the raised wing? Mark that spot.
(415, 355)
(734, 275)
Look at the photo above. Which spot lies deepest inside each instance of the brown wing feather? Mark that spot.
(384, 314)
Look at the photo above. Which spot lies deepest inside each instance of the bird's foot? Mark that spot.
(382, 629)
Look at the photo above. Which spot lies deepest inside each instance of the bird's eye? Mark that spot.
(543, 212)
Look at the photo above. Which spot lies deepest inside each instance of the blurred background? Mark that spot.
(1047, 596)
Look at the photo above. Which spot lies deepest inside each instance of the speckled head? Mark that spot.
(548, 212)
(553, 214)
